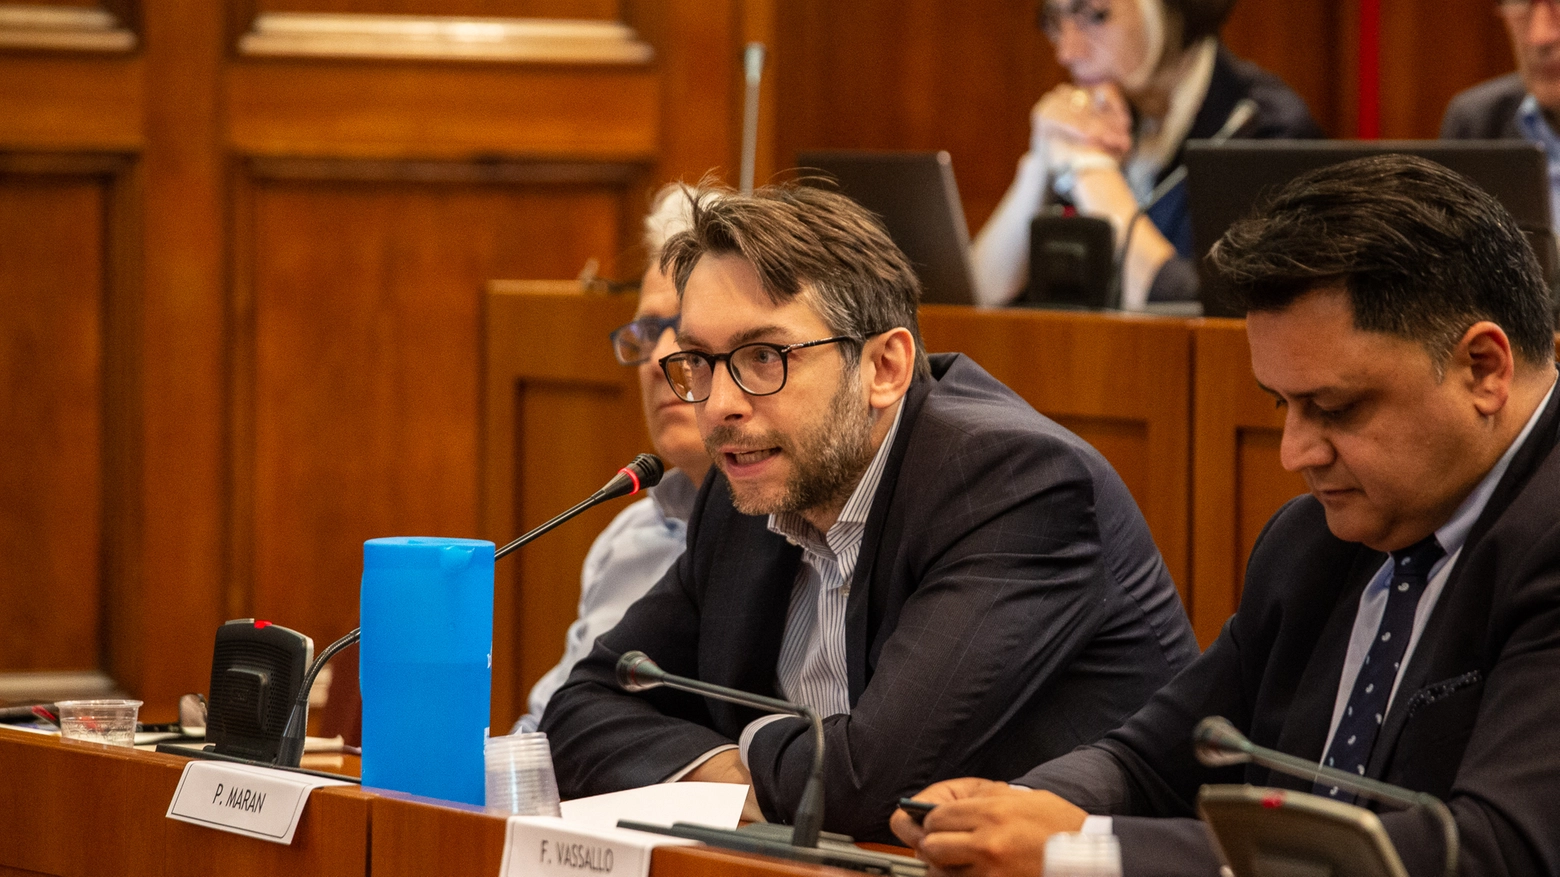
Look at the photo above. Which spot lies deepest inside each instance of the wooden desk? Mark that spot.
(81, 810)
(69, 809)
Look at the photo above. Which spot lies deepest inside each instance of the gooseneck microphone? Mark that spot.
(645, 471)
(636, 672)
(1218, 744)
(1239, 118)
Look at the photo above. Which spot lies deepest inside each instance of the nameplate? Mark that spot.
(253, 801)
(553, 847)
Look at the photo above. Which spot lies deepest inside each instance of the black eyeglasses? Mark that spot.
(759, 369)
(1084, 14)
(633, 343)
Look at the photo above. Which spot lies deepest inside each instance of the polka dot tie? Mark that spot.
(1367, 706)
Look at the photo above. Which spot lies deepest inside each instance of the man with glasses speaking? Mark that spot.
(899, 542)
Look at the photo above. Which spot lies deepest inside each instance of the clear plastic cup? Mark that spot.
(519, 776)
(108, 722)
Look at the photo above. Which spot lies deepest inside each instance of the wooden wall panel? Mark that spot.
(52, 232)
(890, 74)
(1429, 52)
(1237, 480)
(1310, 44)
(375, 109)
(58, 104)
(560, 417)
(365, 401)
(164, 627)
(603, 9)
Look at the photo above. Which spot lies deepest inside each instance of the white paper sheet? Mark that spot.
(714, 804)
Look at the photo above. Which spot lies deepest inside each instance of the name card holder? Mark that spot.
(256, 802)
(546, 846)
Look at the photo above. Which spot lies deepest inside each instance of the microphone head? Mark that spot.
(1218, 744)
(636, 672)
(649, 469)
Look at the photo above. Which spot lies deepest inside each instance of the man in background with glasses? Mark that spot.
(647, 536)
(1524, 104)
(897, 541)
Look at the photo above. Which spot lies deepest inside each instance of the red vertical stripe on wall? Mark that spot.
(1369, 126)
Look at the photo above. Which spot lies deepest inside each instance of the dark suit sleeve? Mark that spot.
(1145, 774)
(1009, 587)
(604, 739)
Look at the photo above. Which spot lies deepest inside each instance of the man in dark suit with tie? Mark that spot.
(898, 541)
(1402, 621)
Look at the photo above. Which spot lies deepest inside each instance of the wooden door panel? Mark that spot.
(52, 234)
(599, 9)
(365, 374)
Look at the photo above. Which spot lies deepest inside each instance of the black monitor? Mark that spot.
(1225, 181)
(915, 195)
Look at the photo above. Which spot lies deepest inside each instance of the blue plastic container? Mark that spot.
(425, 665)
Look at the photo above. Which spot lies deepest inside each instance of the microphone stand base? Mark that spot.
(212, 755)
(774, 840)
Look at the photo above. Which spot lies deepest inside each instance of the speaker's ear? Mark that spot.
(256, 670)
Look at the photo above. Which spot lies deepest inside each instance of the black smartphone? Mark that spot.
(917, 810)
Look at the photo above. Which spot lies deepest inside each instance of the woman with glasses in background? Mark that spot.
(1147, 75)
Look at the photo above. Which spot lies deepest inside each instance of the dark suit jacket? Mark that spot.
(1281, 114)
(1487, 111)
(1476, 720)
(1008, 604)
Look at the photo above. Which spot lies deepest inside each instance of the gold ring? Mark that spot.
(1080, 99)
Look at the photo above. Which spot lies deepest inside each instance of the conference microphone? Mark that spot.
(1217, 743)
(1240, 116)
(636, 672)
(645, 471)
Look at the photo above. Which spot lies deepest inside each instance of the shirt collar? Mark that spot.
(1454, 532)
(1153, 150)
(674, 496)
(1530, 119)
(851, 523)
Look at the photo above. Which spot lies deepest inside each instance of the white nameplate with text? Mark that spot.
(547, 845)
(254, 801)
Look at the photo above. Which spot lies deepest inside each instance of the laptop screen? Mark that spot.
(915, 195)
(1226, 181)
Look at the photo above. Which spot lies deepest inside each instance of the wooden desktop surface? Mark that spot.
(82, 810)
(71, 809)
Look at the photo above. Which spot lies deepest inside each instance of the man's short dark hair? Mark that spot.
(798, 236)
(1423, 253)
(1199, 18)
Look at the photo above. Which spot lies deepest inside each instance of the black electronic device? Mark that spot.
(1226, 181)
(915, 195)
(257, 669)
(1262, 832)
(1071, 262)
(1302, 833)
(915, 809)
